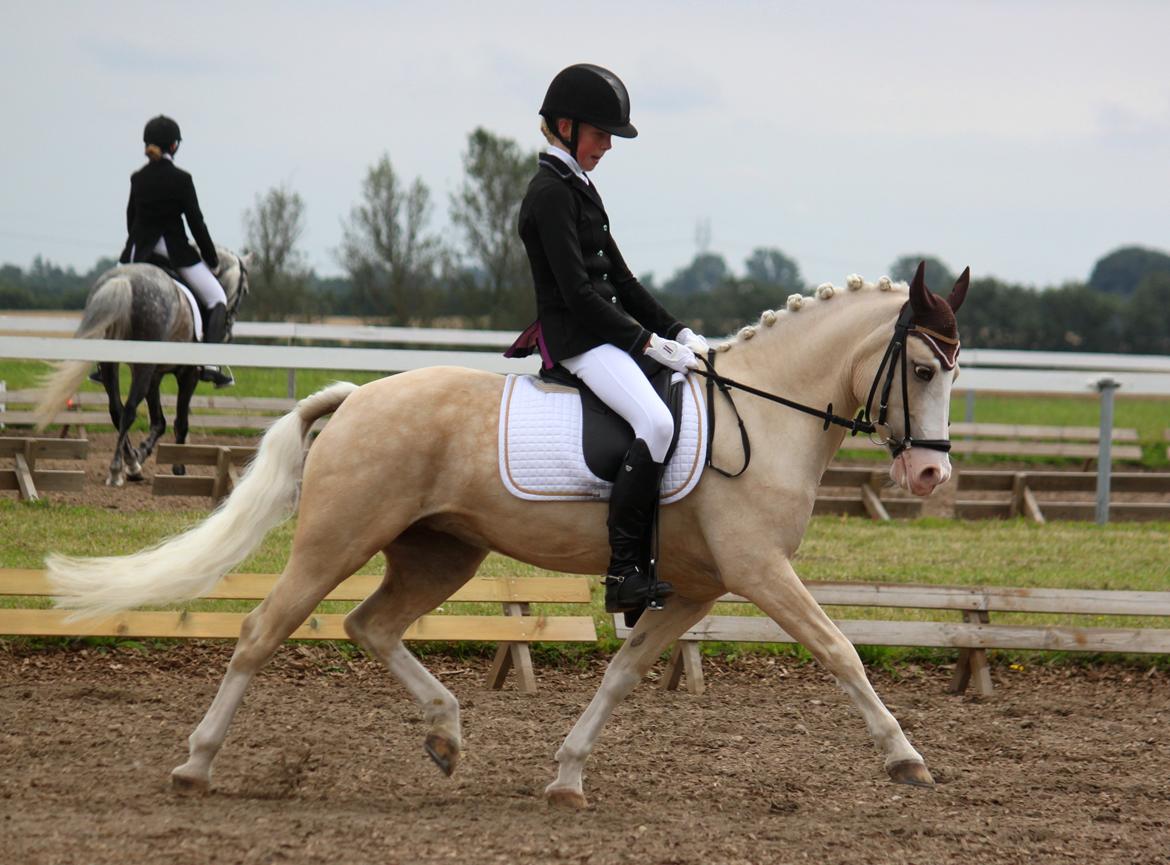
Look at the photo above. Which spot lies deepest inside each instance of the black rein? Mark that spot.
(862, 423)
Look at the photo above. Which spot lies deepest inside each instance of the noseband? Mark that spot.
(862, 423)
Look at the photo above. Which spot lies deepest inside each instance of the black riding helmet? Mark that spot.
(589, 93)
(162, 132)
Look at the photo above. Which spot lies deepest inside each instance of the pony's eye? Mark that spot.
(924, 373)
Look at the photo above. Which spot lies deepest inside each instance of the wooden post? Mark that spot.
(972, 663)
(687, 659)
(509, 655)
(873, 503)
(24, 472)
(222, 486)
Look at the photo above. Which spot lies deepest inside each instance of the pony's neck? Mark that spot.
(823, 353)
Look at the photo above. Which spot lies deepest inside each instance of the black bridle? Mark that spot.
(862, 423)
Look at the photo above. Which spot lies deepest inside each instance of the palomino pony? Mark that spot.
(140, 301)
(408, 466)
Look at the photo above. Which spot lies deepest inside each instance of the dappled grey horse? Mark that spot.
(140, 302)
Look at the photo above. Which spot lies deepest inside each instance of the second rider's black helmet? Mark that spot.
(161, 131)
(592, 94)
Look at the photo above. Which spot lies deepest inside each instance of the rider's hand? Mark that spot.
(693, 341)
(671, 354)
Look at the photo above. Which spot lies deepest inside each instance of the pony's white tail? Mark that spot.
(190, 564)
(107, 316)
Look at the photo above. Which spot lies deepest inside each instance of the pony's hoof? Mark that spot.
(910, 772)
(115, 481)
(178, 470)
(135, 477)
(566, 797)
(188, 782)
(443, 751)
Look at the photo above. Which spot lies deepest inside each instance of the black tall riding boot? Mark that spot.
(631, 514)
(214, 331)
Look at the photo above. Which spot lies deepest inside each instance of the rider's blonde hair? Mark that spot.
(154, 152)
(548, 133)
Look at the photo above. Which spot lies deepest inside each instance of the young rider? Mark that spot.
(161, 195)
(593, 316)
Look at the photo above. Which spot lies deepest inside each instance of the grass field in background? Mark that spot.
(997, 553)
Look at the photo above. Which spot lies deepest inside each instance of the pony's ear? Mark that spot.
(919, 302)
(959, 292)
(247, 258)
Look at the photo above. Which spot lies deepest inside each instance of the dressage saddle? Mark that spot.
(605, 436)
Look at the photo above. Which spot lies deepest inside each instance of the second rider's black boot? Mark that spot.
(631, 513)
(215, 331)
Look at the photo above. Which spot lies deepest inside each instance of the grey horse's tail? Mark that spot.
(107, 316)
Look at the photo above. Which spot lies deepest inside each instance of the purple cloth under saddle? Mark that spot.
(532, 339)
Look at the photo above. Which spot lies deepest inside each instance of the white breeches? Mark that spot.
(618, 382)
(199, 279)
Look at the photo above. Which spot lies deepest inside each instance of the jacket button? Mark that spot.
(613, 300)
(600, 253)
(605, 276)
(605, 228)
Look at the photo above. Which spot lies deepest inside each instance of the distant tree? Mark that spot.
(938, 276)
(771, 267)
(1147, 318)
(1074, 317)
(278, 278)
(485, 210)
(386, 250)
(703, 274)
(1121, 271)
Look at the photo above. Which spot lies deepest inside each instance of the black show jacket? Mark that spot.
(161, 194)
(585, 293)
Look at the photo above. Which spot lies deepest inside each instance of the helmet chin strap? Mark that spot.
(573, 140)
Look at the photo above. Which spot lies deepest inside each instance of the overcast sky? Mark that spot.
(1025, 139)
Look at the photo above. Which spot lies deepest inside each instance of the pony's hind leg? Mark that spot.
(312, 572)
(423, 569)
(653, 633)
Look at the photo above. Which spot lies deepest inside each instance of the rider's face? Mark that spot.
(591, 143)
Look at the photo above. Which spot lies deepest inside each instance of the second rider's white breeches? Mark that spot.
(618, 382)
(199, 279)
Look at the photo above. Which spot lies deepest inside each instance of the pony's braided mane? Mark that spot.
(825, 291)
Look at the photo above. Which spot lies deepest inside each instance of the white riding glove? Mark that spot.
(693, 341)
(671, 354)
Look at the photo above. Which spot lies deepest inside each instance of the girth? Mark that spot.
(605, 435)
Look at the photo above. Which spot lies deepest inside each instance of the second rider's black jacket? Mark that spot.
(585, 293)
(161, 194)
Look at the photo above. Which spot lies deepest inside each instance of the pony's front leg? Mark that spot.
(653, 633)
(779, 592)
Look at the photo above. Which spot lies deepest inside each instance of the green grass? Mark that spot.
(998, 553)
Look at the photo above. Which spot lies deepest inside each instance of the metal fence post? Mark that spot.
(1105, 386)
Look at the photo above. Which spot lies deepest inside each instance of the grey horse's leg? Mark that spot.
(653, 633)
(141, 375)
(158, 420)
(109, 373)
(188, 378)
(423, 569)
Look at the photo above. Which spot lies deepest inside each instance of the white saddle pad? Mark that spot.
(540, 444)
(196, 315)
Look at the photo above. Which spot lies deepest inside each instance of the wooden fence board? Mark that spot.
(202, 455)
(45, 448)
(319, 626)
(559, 590)
(45, 480)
